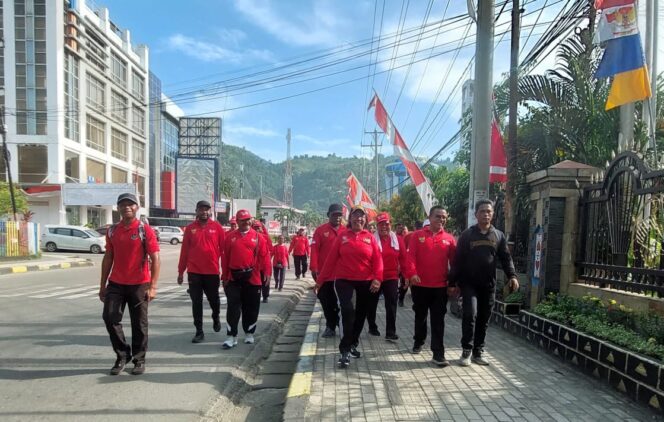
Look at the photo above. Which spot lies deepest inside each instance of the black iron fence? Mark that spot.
(621, 228)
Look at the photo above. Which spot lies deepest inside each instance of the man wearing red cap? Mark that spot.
(395, 260)
(299, 247)
(200, 254)
(322, 242)
(431, 249)
(246, 266)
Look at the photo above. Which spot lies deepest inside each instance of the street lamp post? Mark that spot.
(5, 151)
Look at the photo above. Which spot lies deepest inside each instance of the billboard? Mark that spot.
(195, 180)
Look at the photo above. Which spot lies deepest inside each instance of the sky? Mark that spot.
(202, 50)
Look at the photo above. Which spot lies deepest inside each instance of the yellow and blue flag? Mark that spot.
(628, 87)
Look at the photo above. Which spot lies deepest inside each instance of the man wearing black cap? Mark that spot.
(129, 275)
(200, 255)
(321, 245)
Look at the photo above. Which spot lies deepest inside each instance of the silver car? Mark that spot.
(170, 234)
(74, 238)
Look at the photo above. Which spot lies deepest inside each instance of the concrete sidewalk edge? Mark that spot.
(16, 269)
(300, 385)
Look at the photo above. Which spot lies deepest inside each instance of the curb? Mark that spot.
(299, 389)
(16, 269)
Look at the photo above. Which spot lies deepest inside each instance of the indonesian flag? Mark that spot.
(401, 150)
(615, 22)
(357, 195)
(498, 161)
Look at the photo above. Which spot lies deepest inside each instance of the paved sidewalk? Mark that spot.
(388, 383)
(44, 263)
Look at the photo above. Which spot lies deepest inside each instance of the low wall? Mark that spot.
(19, 239)
(635, 301)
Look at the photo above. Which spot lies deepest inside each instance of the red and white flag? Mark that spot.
(498, 161)
(616, 20)
(401, 150)
(357, 195)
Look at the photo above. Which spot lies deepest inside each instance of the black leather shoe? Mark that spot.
(198, 337)
(344, 360)
(216, 325)
(328, 332)
(118, 366)
(391, 337)
(417, 348)
(374, 332)
(139, 368)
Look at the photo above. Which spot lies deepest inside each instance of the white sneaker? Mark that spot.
(465, 358)
(229, 343)
(249, 339)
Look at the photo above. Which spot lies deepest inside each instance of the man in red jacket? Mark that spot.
(200, 254)
(299, 247)
(279, 262)
(246, 265)
(322, 242)
(431, 250)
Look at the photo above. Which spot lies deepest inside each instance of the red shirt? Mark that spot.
(130, 265)
(244, 251)
(432, 254)
(321, 245)
(202, 248)
(396, 261)
(280, 256)
(299, 245)
(354, 256)
(407, 237)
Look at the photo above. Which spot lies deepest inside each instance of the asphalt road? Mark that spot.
(55, 353)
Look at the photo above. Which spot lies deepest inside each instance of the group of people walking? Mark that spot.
(352, 262)
(346, 263)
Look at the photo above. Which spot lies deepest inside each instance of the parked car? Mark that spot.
(104, 229)
(170, 234)
(74, 238)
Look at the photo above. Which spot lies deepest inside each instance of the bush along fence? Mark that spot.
(608, 341)
(19, 239)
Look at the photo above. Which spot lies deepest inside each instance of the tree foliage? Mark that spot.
(6, 203)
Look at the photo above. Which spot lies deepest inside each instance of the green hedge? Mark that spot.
(636, 331)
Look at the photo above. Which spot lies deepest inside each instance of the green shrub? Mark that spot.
(516, 297)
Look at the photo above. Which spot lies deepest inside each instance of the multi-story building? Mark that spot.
(76, 103)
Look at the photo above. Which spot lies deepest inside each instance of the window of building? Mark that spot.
(138, 86)
(119, 107)
(140, 185)
(96, 93)
(118, 144)
(73, 215)
(71, 97)
(138, 120)
(96, 171)
(170, 133)
(138, 153)
(118, 175)
(72, 167)
(32, 163)
(95, 50)
(96, 134)
(96, 216)
(118, 70)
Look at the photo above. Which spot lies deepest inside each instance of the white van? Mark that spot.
(170, 234)
(74, 238)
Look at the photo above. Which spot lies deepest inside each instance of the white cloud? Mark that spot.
(320, 25)
(241, 130)
(333, 142)
(211, 52)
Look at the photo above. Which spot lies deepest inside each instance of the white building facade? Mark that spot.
(76, 107)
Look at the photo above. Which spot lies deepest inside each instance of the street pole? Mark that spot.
(375, 146)
(651, 57)
(5, 153)
(510, 221)
(480, 147)
(241, 181)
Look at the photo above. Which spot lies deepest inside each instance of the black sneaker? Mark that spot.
(355, 353)
(216, 325)
(329, 332)
(417, 348)
(391, 337)
(118, 366)
(374, 332)
(439, 360)
(139, 368)
(401, 303)
(198, 337)
(478, 359)
(344, 360)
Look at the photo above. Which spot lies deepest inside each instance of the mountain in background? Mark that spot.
(317, 181)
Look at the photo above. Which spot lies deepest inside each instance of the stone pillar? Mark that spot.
(554, 200)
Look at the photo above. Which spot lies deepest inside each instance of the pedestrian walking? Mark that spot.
(299, 247)
(356, 264)
(246, 266)
(321, 245)
(480, 247)
(233, 223)
(200, 256)
(260, 228)
(403, 283)
(431, 249)
(129, 276)
(279, 263)
(402, 231)
(395, 260)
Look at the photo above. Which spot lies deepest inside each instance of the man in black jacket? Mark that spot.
(474, 270)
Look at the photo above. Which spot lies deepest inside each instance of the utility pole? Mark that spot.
(480, 147)
(5, 153)
(512, 150)
(375, 144)
(288, 177)
(650, 104)
(241, 181)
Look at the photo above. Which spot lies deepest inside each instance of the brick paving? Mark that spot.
(388, 383)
